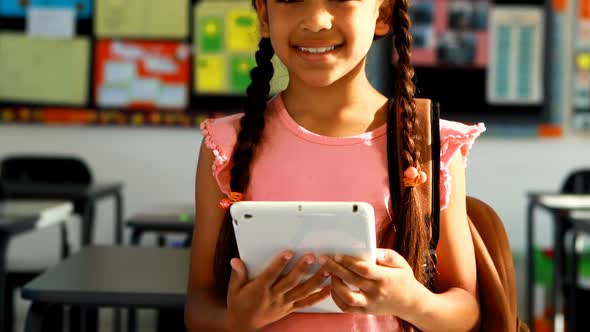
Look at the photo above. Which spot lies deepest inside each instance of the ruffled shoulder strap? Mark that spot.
(455, 137)
(220, 135)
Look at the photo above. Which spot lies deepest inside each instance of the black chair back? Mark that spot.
(577, 182)
(40, 169)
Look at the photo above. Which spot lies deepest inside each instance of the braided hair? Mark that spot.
(412, 229)
(252, 126)
(409, 229)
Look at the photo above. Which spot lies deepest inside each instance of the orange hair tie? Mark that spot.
(413, 177)
(234, 197)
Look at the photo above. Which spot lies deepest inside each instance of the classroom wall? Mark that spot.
(157, 166)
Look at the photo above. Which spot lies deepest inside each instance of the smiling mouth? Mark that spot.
(318, 50)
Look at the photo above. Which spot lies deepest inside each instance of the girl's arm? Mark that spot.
(456, 308)
(202, 311)
(253, 303)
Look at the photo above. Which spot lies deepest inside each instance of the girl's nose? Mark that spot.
(316, 18)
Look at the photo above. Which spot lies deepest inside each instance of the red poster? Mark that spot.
(142, 75)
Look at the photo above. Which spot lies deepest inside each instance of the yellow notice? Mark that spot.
(242, 32)
(141, 18)
(40, 70)
(211, 72)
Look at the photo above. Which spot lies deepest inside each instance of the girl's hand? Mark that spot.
(386, 288)
(253, 304)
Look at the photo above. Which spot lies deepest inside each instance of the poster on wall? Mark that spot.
(515, 72)
(226, 39)
(142, 75)
(141, 18)
(581, 77)
(19, 8)
(43, 70)
(450, 32)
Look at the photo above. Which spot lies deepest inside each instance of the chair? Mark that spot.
(37, 169)
(44, 169)
(576, 182)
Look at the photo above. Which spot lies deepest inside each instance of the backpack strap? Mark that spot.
(435, 144)
(428, 193)
(393, 159)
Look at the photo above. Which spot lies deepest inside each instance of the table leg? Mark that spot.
(573, 278)
(131, 320)
(188, 240)
(119, 241)
(530, 266)
(4, 239)
(118, 218)
(161, 240)
(136, 235)
(556, 297)
(87, 223)
(35, 315)
(84, 319)
(43, 317)
(65, 245)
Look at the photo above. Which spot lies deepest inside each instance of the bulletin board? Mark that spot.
(175, 62)
(132, 62)
(489, 61)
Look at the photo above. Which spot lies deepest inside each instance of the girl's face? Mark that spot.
(321, 41)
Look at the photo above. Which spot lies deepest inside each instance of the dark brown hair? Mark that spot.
(411, 232)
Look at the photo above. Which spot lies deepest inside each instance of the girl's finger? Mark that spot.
(312, 299)
(270, 275)
(347, 275)
(238, 277)
(363, 268)
(390, 258)
(345, 307)
(307, 287)
(294, 277)
(348, 296)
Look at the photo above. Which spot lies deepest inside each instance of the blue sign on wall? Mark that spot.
(13, 8)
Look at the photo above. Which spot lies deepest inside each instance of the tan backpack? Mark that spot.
(495, 267)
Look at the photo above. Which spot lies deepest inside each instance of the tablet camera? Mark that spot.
(355, 208)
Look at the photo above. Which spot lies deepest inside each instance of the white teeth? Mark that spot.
(317, 50)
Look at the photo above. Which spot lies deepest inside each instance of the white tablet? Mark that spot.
(263, 229)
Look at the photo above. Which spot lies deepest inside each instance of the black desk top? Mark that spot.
(115, 276)
(18, 216)
(179, 218)
(61, 191)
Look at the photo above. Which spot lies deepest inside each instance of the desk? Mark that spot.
(83, 196)
(560, 206)
(160, 219)
(19, 216)
(110, 276)
(163, 219)
(580, 224)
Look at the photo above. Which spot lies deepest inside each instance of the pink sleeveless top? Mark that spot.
(292, 164)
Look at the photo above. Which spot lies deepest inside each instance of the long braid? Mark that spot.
(252, 126)
(412, 232)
